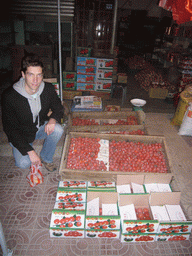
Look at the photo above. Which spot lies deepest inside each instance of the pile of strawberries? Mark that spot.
(123, 156)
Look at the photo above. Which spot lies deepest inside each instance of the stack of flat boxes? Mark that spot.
(94, 74)
(69, 80)
(86, 73)
(104, 74)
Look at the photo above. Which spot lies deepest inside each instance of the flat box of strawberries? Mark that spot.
(90, 156)
(107, 121)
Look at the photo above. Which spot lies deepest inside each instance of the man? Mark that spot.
(25, 108)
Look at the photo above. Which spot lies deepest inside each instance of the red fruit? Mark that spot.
(78, 218)
(62, 221)
(56, 221)
(78, 224)
(70, 225)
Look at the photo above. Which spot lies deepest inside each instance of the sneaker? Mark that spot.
(49, 166)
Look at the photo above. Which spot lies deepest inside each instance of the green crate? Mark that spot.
(84, 51)
(69, 76)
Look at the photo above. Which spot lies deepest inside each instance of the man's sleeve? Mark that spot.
(12, 127)
(56, 106)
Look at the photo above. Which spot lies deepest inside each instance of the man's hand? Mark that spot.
(35, 159)
(50, 126)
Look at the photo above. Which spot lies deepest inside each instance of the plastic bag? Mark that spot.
(185, 99)
(186, 126)
(35, 176)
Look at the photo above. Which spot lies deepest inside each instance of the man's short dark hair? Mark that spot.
(31, 60)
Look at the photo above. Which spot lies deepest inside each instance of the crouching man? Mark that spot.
(25, 108)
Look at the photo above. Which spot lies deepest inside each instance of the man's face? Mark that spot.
(33, 78)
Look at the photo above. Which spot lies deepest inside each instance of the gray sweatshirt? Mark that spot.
(34, 100)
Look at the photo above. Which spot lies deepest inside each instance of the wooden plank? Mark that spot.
(104, 117)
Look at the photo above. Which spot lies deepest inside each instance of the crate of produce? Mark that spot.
(86, 78)
(136, 218)
(103, 85)
(84, 51)
(69, 76)
(69, 85)
(84, 70)
(166, 208)
(85, 86)
(103, 74)
(107, 121)
(90, 156)
(102, 215)
(86, 61)
(104, 63)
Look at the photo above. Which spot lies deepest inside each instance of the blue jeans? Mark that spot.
(48, 150)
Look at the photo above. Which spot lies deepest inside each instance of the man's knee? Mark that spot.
(58, 130)
(23, 163)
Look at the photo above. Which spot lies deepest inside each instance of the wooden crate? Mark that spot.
(90, 175)
(106, 116)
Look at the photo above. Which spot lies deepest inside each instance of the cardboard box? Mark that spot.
(72, 184)
(69, 76)
(132, 226)
(170, 227)
(101, 186)
(84, 51)
(171, 237)
(72, 195)
(103, 74)
(69, 85)
(70, 206)
(93, 175)
(104, 63)
(104, 224)
(103, 85)
(87, 103)
(86, 78)
(161, 183)
(85, 86)
(67, 219)
(139, 237)
(129, 180)
(54, 82)
(62, 233)
(102, 234)
(84, 70)
(86, 61)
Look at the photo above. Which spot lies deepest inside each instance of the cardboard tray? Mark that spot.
(91, 175)
(105, 116)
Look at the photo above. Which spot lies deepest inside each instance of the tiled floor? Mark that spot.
(25, 212)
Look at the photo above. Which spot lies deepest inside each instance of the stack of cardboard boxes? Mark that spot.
(145, 211)
(94, 74)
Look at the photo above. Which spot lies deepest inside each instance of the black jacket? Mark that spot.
(18, 120)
